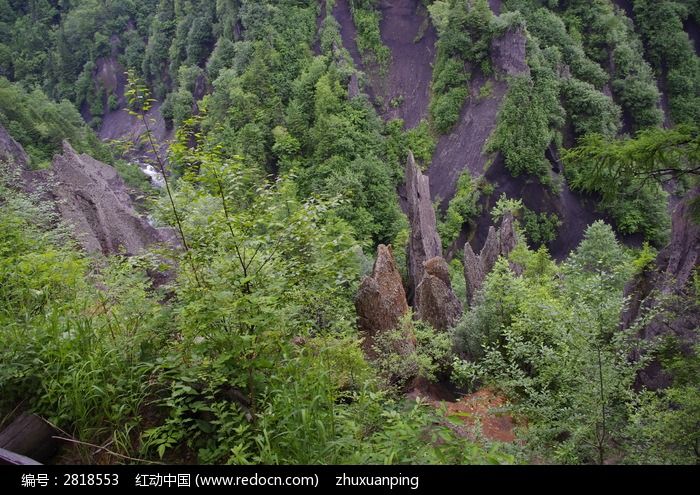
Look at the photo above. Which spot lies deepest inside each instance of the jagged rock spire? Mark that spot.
(438, 304)
(424, 242)
(498, 243)
(381, 299)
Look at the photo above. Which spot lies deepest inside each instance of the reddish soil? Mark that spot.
(407, 31)
(484, 409)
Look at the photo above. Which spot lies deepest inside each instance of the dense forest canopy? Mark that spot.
(554, 274)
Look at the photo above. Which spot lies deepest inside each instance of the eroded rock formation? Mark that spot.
(92, 198)
(508, 52)
(668, 289)
(11, 152)
(424, 242)
(438, 304)
(89, 196)
(498, 243)
(381, 299)
(430, 288)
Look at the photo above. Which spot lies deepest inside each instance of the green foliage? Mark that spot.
(664, 425)
(222, 55)
(540, 228)
(599, 46)
(52, 43)
(645, 259)
(549, 339)
(463, 208)
(366, 18)
(413, 350)
(258, 363)
(550, 30)
(248, 351)
(602, 255)
(486, 90)
(421, 142)
(75, 354)
(590, 111)
(528, 120)
(133, 175)
(671, 53)
(465, 31)
(40, 125)
(505, 205)
(628, 174)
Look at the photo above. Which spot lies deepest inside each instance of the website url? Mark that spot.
(256, 480)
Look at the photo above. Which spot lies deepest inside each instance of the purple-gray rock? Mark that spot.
(11, 152)
(381, 299)
(438, 305)
(498, 243)
(668, 289)
(424, 242)
(93, 199)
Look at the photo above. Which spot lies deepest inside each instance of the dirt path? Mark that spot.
(407, 31)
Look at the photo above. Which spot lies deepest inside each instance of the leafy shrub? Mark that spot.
(463, 208)
(589, 110)
(465, 31)
(401, 359)
(40, 125)
(540, 228)
(528, 121)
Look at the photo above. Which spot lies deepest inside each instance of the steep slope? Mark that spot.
(407, 31)
(89, 196)
(348, 32)
(668, 289)
(462, 148)
(119, 125)
(92, 198)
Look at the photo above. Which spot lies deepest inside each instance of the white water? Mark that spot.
(156, 177)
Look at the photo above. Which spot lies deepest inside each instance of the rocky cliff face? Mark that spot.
(429, 279)
(11, 152)
(438, 304)
(89, 196)
(498, 243)
(424, 242)
(93, 199)
(381, 299)
(668, 289)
